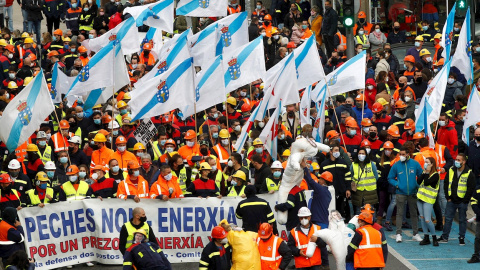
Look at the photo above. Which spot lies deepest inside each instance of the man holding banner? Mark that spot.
(137, 222)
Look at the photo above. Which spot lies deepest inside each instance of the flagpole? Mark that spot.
(334, 112)
(208, 124)
(113, 94)
(363, 109)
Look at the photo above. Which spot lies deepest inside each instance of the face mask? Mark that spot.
(259, 150)
(233, 183)
(146, 165)
(80, 115)
(388, 153)
(425, 28)
(281, 137)
(73, 178)
(224, 241)
(50, 174)
(359, 50)
(377, 30)
(97, 121)
(190, 144)
(237, 128)
(403, 158)
(102, 13)
(54, 38)
(366, 129)
(304, 27)
(94, 176)
(225, 142)
(276, 37)
(136, 173)
(361, 157)
(397, 28)
(417, 44)
(11, 75)
(243, 94)
(124, 111)
(458, 164)
(43, 186)
(115, 133)
(451, 80)
(353, 132)
(82, 174)
(277, 174)
(63, 160)
(85, 9)
(370, 87)
(336, 154)
(215, 135)
(10, 55)
(170, 149)
(368, 150)
(477, 138)
(407, 99)
(429, 59)
(442, 123)
(477, 49)
(372, 135)
(143, 219)
(74, 5)
(259, 7)
(115, 169)
(42, 143)
(261, 124)
(425, 166)
(456, 29)
(121, 148)
(263, 34)
(304, 221)
(361, 33)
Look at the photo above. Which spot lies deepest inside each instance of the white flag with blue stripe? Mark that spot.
(432, 100)
(472, 115)
(348, 77)
(172, 53)
(269, 133)
(246, 129)
(319, 125)
(308, 64)
(157, 14)
(60, 84)
(154, 36)
(24, 114)
(165, 92)
(447, 34)
(202, 8)
(125, 32)
(305, 103)
(225, 36)
(209, 88)
(106, 68)
(244, 65)
(462, 59)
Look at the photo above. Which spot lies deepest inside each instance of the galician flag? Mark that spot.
(202, 8)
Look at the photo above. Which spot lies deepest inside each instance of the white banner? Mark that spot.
(69, 233)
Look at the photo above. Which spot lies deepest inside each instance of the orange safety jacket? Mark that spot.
(127, 188)
(162, 186)
(369, 253)
(301, 242)
(269, 257)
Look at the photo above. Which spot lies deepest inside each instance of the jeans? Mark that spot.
(390, 209)
(34, 27)
(25, 21)
(450, 214)
(8, 11)
(412, 204)
(425, 212)
(382, 202)
(441, 198)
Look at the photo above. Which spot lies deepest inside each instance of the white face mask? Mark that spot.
(243, 94)
(190, 144)
(336, 154)
(224, 241)
(442, 123)
(429, 59)
(377, 30)
(361, 157)
(214, 168)
(370, 87)
(170, 149)
(121, 148)
(168, 177)
(366, 129)
(368, 150)
(304, 221)
(237, 128)
(94, 176)
(230, 163)
(388, 153)
(450, 80)
(225, 141)
(403, 158)
(407, 99)
(261, 124)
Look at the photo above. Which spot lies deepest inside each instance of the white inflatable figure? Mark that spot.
(293, 174)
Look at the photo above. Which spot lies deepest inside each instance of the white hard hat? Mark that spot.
(304, 212)
(276, 165)
(113, 125)
(41, 135)
(75, 139)
(50, 165)
(14, 164)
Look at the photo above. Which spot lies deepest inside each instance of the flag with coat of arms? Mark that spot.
(125, 32)
(447, 34)
(157, 14)
(309, 68)
(25, 112)
(202, 8)
(60, 84)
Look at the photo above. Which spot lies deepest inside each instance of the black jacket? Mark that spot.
(330, 21)
(253, 215)
(295, 201)
(260, 176)
(212, 260)
(399, 37)
(145, 256)
(470, 186)
(341, 174)
(98, 23)
(473, 154)
(34, 9)
(124, 234)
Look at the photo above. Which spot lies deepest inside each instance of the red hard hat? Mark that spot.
(265, 231)
(327, 176)
(5, 178)
(245, 107)
(291, 44)
(219, 233)
(377, 107)
(365, 143)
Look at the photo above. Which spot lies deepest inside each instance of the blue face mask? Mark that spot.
(66, 47)
(304, 27)
(115, 169)
(90, 36)
(425, 27)
(417, 44)
(43, 186)
(82, 174)
(162, 142)
(458, 164)
(72, 49)
(54, 38)
(404, 66)
(115, 133)
(50, 174)
(124, 111)
(63, 160)
(353, 132)
(215, 135)
(136, 173)
(85, 9)
(259, 150)
(74, 5)
(73, 178)
(97, 121)
(277, 174)
(42, 143)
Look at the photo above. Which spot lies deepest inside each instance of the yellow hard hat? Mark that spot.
(240, 174)
(25, 35)
(12, 85)
(66, 39)
(138, 146)
(99, 138)
(121, 104)
(438, 36)
(28, 40)
(98, 106)
(142, 231)
(3, 42)
(127, 96)
(257, 141)
(419, 38)
(27, 81)
(224, 134)
(232, 101)
(41, 176)
(32, 148)
(286, 153)
(205, 166)
(315, 166)
(424, 52)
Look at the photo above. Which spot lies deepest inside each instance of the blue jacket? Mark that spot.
(403, 176)
(367, 113)
(320, 201)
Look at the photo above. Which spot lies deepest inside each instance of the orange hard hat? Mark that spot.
(366, 122)
(32, 56)
(246, 107)
(409, 123)
(409, 58)
(265, 231)
(327, 176)
(10, 48)
(147, 46)
(350, 118)
(365, 143)
(190, 135)
(82, 49)
(72, 169)
(360, 97)
(367, 208)
(267, 17)
(170, 141)
(400, 104)
(132, 165)
(52, 53)
(393, 131)
(120, 139)
(64, 124)
(377, 107)
(106, 119)
(291, 45)
(367, 217)
(388, 145)
(351, 124)
(58, 32)
(5, 178)
(418, 136)
(332, 134)
(362, 15)
(219, 233)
